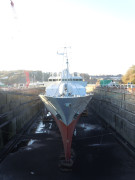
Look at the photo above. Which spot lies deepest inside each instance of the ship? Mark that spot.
(66, 99)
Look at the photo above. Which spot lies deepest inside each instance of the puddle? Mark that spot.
(88, 127)
(101, 145)
(40, 128)
(20, 146)
(27, 145)
(75, 132)
(44, 127)
(31, 142)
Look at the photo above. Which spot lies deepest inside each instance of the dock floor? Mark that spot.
(98, 156)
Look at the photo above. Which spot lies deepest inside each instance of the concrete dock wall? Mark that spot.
(17, 108)
(118, 111)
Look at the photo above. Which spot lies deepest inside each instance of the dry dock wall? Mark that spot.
(118, 110)
(17, 108)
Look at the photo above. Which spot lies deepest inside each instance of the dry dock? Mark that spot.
(33, 146)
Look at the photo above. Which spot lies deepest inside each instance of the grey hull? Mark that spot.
(66, 108)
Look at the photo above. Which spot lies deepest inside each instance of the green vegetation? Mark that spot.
(85, 76)
(129, 77)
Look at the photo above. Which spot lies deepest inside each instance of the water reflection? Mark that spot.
(88, 127)
(101, 144)
(44, 127)
(40, 128)
(75, 132)
(31, 142)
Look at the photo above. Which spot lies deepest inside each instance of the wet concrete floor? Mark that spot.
(98, 156)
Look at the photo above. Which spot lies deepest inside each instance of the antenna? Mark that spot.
(65, 55)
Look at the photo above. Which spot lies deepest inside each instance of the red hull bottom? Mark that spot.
(67, 133)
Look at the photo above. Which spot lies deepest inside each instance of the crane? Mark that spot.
(12, 4)
(27, 78)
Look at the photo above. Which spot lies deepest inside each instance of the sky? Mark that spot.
(101, 34)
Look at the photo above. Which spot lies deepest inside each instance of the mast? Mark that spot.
(66, 62)
(65, 56)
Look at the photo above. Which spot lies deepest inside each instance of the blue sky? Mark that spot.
(119, 8)
(101, 34)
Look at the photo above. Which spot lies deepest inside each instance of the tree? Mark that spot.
(85, 76)
(129, 77)
(46, 76)
(39, 76)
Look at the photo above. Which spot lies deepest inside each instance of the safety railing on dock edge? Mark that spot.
(122, 88)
